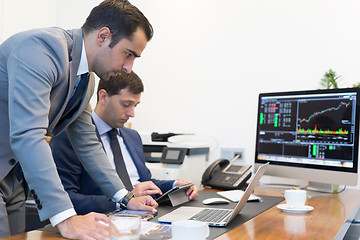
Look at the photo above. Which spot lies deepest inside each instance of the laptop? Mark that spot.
(216, 217)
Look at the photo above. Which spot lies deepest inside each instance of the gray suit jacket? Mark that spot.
(37, 74)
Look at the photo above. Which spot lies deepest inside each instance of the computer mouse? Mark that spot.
(213, 201)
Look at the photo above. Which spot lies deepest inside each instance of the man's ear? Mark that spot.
(103, 95)
(103, 35)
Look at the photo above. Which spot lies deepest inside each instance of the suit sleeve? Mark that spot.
(89, 150)
(164, 185)
(70, 171)
(32, 74)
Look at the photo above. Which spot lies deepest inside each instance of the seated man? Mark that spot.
(116, 102)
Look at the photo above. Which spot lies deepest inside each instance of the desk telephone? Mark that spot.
(224, 175)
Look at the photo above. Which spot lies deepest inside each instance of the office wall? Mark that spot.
(209, 60)
(16, 16)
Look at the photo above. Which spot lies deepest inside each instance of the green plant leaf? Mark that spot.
(330, 80)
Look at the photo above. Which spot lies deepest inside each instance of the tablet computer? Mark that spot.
(145, 215)
(165, 195)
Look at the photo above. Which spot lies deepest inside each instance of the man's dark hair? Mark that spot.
(126, 80)
(121, 17)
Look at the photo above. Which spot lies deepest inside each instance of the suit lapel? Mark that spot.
(75, 48)
(64, 122)
(134, 153)
(129, 144)
(97, 133)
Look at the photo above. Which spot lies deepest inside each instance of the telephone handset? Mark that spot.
(225, 175)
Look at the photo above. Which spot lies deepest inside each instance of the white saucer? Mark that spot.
(305, 209)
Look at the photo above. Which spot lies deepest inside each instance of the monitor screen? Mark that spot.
(311, 135)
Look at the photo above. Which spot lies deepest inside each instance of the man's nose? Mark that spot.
(131, 112)
(128, 66)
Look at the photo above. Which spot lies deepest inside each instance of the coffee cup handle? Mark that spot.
(207, 230)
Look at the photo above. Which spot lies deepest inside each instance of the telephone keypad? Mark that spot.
(225, 178)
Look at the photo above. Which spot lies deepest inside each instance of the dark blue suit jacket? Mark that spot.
(85, 195)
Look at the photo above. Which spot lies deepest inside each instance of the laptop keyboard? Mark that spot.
(211, 215)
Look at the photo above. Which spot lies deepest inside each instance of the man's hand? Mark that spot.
(85, 227)
(145, 189)
(146, 203)
(192, 192)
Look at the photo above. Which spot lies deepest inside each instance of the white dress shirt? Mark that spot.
(103, 128)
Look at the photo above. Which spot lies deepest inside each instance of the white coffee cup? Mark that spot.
(295, 198)
(189, 229)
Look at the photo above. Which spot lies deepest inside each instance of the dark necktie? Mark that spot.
(118, 159)
(18, 172)
(78, 92)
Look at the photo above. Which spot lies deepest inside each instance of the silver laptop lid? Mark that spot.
(249, 190)
(187, 212)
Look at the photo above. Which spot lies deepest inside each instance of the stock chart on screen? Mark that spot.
(313, 129)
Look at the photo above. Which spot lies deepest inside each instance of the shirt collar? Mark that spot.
(83, 66)
(101, 126)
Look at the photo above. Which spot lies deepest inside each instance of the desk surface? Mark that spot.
(329, 220)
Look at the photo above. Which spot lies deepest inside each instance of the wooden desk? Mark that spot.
(329, 220)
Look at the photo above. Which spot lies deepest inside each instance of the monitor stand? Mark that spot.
(314, 189)
(322, 187)
(284, 183)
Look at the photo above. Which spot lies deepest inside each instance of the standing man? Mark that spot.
(116, 102)
(44, 90)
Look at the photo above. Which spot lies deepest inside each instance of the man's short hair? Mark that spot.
(126, 80)
(121, 17)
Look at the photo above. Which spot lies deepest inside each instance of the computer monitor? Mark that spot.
(310, 135)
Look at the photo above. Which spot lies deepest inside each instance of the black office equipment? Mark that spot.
(173, 155)
(224, 175)
(162, 137)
